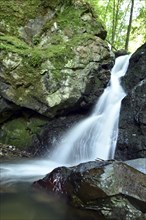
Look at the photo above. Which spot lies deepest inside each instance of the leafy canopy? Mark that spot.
(116, 15)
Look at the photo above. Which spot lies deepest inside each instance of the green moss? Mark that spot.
(36, 123)
(56, 52)
(13, 44)
(59, 51)
(13, 41)
(15, 133)
(20, 131)
(16, 13)
(35, 54)
(70, 19)
(36, 40)
(33, 57)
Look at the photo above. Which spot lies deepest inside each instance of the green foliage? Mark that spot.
(115, 14)
(138, 32)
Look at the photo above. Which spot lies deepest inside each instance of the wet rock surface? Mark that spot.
(132, 127)
(112, 189)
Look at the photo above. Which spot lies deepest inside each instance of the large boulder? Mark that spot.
(57, 70)
(54, 60)
(109, 189)
(132, 127)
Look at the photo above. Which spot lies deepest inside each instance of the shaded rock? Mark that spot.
(132, 127)
(22, 129)
(9, 152)
(106, 188)
(7, 109)
(136, 70)
(120, 53)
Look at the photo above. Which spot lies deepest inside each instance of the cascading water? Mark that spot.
(94, 137)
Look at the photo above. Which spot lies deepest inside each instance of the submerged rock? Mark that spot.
(132, 127)
(112, 189)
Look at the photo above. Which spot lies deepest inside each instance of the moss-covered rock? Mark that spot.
(20, 131)
(53, 58)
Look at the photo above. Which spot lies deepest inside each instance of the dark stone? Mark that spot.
(120, 53)
(132, 127)
(106, 188)
(136, 70)
(7, 109)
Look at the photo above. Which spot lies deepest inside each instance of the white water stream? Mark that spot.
(94, 137)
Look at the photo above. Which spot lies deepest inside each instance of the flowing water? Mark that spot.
(94, 137)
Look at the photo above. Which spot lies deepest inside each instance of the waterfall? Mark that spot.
(94, 137)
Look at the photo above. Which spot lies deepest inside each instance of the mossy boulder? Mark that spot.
(21, 131)
(54, 58)
(51, 68)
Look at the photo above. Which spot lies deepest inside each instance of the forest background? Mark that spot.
(125, 22)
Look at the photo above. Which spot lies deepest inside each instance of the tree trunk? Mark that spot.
(113, 25)
(106, 10)
(129, 26)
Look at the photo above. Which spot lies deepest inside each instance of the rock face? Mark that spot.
(54, 60)
(105, 188)
(132, 128)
